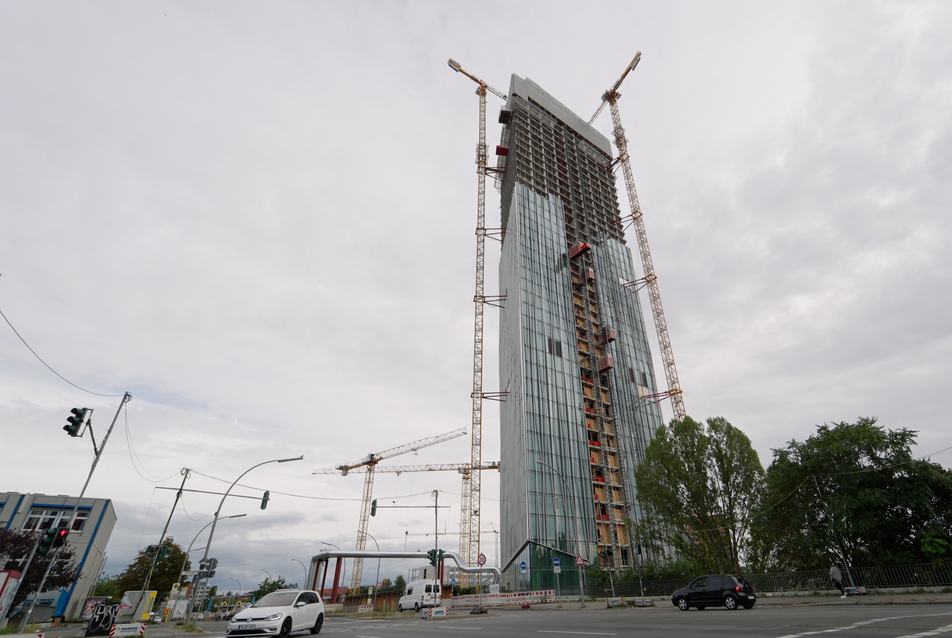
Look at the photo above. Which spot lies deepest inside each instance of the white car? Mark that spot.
(279, 613)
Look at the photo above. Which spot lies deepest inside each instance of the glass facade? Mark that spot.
(573, 354)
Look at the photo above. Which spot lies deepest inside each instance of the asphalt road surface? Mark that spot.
(786, 621)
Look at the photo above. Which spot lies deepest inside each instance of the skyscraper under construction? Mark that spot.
(574, 355)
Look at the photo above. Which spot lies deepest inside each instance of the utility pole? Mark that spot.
(155, 557)
(98, 453)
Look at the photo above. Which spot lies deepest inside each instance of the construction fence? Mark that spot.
(872, 578)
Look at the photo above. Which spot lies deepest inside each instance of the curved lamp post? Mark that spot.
(294, 560)
(211, 534)
(578, 536)
(189, 550)
(239, 584)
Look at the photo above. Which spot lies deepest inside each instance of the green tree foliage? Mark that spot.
(108, 586)
(400, 583)
(267, 586)
(855, 484)
(699, 486)
(164, 575)
(15, 548)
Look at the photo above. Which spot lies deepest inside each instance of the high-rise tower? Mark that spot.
(574, 355)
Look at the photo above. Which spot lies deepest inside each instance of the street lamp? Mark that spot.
(268, 573)
(578, 536)
(211, 534)
(305, 570)
(189, 550)
(239, 584)
(377, 582)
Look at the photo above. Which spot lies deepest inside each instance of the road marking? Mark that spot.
(860, 623)
(573, 633)
(934, 632)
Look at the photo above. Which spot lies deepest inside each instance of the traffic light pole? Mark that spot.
(56, 552)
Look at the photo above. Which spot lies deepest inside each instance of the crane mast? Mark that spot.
(471, 487)
(650, 279)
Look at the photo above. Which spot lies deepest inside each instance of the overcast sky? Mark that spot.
(258, 218)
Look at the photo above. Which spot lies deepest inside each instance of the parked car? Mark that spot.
(279, 613)
(731, 591)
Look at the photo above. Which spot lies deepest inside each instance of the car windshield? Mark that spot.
(277, 599)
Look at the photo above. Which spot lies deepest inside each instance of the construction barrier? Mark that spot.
(128, 629)
(435, 612)
(499, 600)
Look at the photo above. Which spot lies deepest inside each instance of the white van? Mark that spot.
(419, 594)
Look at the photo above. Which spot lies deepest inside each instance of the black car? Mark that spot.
(717, 590)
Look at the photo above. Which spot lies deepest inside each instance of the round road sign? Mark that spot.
(523, 565)
(481, 560)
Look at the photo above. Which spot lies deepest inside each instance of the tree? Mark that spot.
(165, 574)
(267, 586)
(854, 489)
(400, 583)
(108, 586)
(698, 487)
(15, 548)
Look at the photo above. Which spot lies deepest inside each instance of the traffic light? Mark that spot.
(373, 507)
(75, 422)
(164, 551)
(432, 556)
(264, 500)
(59, 538)
(46, 542)
(151, 549)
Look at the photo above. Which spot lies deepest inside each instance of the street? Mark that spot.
(781, 621)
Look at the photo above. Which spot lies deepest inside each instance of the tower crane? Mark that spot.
(471, 496)
(610, 97)
(400, 469)
(369, 462)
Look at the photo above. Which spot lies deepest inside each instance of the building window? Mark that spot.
(555, 347)
(43, 519)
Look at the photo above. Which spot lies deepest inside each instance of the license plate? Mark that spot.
(246, 626)
(752, 597)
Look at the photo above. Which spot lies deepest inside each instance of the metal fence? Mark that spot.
(872, 578)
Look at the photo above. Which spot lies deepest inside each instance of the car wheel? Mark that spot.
(416, 606)
(683, 603)
(399, 607)
(700, 607)
(730, 601)
(285, 628)
(316, 629)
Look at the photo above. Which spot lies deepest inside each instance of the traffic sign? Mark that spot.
(556, 561)
(523, 565)
(556, 565)
(579, 561)
(481, 560)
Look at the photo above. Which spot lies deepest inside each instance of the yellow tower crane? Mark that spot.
(650, 280)
(470, 505)
(369, 462)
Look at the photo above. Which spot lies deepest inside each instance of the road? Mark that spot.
(782, 621)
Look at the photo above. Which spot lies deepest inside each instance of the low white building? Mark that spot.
(88, 536)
